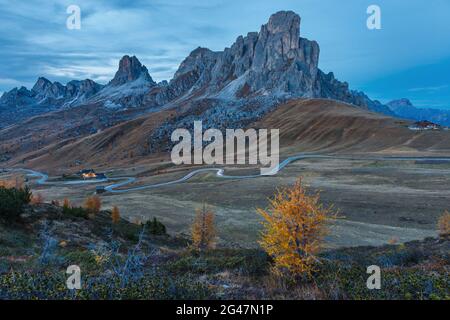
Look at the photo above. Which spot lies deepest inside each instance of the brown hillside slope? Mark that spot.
(119, 145)
(320, 125)
(312, 125)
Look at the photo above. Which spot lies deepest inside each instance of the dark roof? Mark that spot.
(425, 123)
(86, 171)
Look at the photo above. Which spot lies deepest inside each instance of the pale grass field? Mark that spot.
(378, 202)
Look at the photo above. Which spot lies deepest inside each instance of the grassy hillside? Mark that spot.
(309, 125)
(332, 126)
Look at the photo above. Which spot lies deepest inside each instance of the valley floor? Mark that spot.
(379, 201)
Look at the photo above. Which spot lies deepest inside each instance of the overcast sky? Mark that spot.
(409, 57)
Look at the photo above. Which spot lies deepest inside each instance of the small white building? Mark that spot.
(424, 125)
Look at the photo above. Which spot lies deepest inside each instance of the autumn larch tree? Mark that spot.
(93, 204)
(37, 199)
(66, 203)
(444, 224)
(115, 215)
(294, 227)
(203, 229)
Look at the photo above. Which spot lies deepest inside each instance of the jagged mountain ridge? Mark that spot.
(403, 108)
(45, 96)
(275, 62)
(127, 89)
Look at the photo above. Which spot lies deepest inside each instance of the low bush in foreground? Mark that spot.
(124, 261)
(78, 212)
(156, 227)
(52, 285)
(12, 202)
(251, 262)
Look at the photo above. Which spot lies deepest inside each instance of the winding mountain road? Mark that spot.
(114, 188)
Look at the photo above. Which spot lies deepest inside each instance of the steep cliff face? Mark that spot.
(274, 62)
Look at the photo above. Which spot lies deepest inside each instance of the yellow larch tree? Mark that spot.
(37, 199)
(93, 204)
(66, 203)
(115, 215)
(444, 224)
(203, 229)
(294, 227)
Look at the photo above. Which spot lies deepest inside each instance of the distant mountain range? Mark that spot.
(274, 64)
(127, 89)
(132, 115)
(403, 108)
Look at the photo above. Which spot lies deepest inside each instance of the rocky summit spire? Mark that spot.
(130, 69)
(279, 41)
(274, 61)
(41, 85)
(285, 26)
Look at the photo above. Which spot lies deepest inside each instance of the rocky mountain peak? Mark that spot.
(400, 103)
(274, 61)
(41, 85)
(279, 42)
(273, 64)
(285, 25)
(284, 21)
(130, 69)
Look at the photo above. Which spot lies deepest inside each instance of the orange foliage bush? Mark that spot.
(444, 224)
(203, 229)
(66, 203)
(37, 199)
(93, 204)
(7, 184)
(294, 227)
(14, 182)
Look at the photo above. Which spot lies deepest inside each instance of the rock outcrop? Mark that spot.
(130, 69)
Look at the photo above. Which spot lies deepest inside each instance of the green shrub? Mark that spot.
(12, 201)
(79, 212)
(251, 262)
(51, 284)
(155, 227)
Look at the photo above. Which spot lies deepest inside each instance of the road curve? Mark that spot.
(114, 188)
